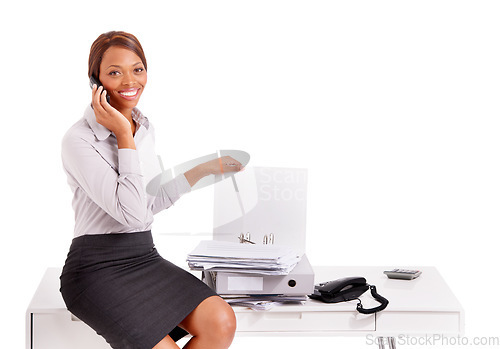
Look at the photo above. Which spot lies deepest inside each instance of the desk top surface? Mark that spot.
(429, 292)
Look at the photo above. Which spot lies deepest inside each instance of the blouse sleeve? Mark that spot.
(119, 192)
(170, 192)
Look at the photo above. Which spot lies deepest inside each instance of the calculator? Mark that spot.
(405, 274)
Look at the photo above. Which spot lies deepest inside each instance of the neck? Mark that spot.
(127, 112)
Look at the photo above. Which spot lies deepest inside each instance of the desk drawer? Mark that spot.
(322, 321)
(422, 322)
(58, 331)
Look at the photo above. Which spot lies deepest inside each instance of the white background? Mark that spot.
(391, 105)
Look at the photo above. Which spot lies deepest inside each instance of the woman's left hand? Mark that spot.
(222, 165)
(225, 164)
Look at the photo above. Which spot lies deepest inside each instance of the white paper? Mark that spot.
(232, 256)
(245, 283)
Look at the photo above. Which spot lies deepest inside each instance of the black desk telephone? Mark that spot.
(347, 289)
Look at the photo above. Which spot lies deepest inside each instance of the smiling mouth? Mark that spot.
(129, 94)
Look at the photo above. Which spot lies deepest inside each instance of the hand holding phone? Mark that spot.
(104, 112)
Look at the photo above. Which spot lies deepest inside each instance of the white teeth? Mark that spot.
(129, 94)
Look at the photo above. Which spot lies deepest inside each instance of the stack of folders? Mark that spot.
(257, 261)
(212, 255)
(263, 302)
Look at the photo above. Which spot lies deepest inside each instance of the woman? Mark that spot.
(113, 278)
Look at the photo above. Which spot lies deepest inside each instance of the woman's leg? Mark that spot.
(166, 343)
(212, 324)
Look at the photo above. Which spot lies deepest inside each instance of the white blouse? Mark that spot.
(109, 184)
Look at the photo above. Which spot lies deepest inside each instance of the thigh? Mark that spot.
(166, 343)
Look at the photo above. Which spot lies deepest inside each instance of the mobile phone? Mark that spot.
(95, 81)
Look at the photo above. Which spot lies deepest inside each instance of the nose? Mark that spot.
(128, 79)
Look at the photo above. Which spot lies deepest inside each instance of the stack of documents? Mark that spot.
(264, 302)
(212, 255)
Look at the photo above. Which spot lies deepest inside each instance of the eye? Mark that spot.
(114, 73)
(139, 70)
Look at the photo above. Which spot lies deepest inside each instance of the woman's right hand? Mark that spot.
(106, 115)
(112, 119)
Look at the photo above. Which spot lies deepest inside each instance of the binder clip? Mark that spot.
(268, 239)
(245, 239)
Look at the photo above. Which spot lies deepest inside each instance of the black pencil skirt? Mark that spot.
(121, 287)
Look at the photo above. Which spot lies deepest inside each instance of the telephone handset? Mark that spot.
(95, 81)
(347, 289)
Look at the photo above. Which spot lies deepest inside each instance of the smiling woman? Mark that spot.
(114, 279)
(124, 77)
(118, 61)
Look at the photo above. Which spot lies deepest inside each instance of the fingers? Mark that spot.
(228, 164)
(104, 101)
(95, 96)
(102, 109)
(99, 97)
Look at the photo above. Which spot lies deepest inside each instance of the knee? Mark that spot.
(213, 321)
(223, 323)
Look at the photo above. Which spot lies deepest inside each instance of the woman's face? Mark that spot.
(123, 76)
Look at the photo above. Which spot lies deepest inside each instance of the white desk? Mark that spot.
(424, 306)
